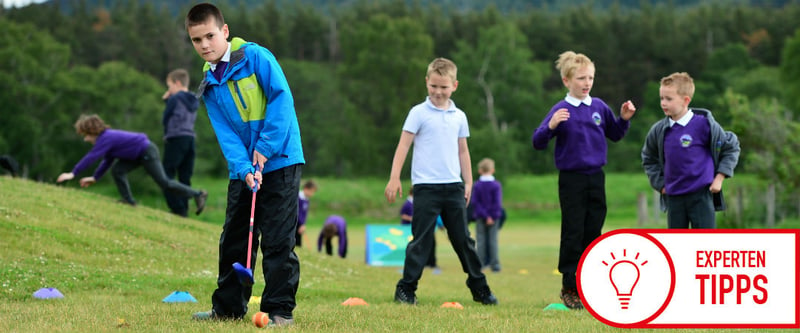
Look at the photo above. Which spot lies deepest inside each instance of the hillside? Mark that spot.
(115, 264)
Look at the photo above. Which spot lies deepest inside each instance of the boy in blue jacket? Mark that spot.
(252, 112)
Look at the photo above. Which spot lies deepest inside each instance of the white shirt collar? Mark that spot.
(577, 102)
(486, 178)
(302, 195)
(451, 105)
(684, 120)
(225, 57)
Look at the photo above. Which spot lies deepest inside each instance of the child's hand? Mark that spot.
(560, 116)
(628, 109)
(86, 181)
(65, 177)
(716, 185)
(489, 221)
(392, 189)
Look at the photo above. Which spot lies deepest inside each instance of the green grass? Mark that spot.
(115, 263)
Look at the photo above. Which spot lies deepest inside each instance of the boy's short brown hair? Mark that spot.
(90, 125)
(201, 13)
(444, 67)
(485, 165)
(683, 83)
(179, 75)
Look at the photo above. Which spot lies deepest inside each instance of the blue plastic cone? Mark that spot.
(48, 293)
(179, 297)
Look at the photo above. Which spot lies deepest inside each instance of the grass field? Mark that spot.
(116, 263)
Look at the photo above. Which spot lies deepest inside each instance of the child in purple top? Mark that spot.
(487, 202)
(580, 124)
(303, 204)
(335, 226)
(130, 150)
(686, 156)
(407, 211)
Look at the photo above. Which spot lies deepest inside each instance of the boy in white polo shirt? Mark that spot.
(441, 176)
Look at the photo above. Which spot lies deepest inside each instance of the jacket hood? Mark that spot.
(188, 99)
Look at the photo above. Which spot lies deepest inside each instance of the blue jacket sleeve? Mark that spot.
(280, 105)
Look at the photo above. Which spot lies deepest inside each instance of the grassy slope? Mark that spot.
(116, 263)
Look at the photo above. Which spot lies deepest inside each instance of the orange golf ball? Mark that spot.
(260, 319)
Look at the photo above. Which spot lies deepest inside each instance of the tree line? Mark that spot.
(356, 69)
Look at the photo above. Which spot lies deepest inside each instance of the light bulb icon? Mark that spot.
(624, 274)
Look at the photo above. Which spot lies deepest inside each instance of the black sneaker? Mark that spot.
(200, 200)
(484, 296)
(404, 296)
(571, 299)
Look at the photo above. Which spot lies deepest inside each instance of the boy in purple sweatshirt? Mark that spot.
(129, 150)
(303, 204)
(580, 123)
(686, 156)
(335, 226)
(487, 203)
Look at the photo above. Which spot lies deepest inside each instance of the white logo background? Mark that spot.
(649, 293)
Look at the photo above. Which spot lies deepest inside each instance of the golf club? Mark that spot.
(244, 273)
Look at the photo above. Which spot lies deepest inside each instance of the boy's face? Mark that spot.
(90, 138)
(209, 41)
(673, 104)
(309, 192)
(581, 82)
(174, 86)
(439, 89)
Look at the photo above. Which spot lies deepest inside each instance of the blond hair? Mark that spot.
(569, 62)
(90, 124)
(486, 165)
(683, 83)
(444, 67)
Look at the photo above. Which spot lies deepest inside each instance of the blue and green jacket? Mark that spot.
(251, 108)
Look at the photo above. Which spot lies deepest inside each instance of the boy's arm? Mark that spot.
(728, 154)
(280, 112)
(466, 167)
(615, 130)
(543, 133)
(395, 186)
(651, 161)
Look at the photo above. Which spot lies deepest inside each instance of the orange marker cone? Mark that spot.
(353, 301)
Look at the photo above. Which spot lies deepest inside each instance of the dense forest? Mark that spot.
(356, 67)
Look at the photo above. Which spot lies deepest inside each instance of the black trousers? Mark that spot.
(430, 201)
(695, 209)
(152, 164)
(583, 212)
(179, 153)
(274, 228)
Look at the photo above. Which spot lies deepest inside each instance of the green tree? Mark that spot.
(30, 114)
(790, 72)
(384, 72)
(501, 90)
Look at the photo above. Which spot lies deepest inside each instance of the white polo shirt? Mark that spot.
(436, 133)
